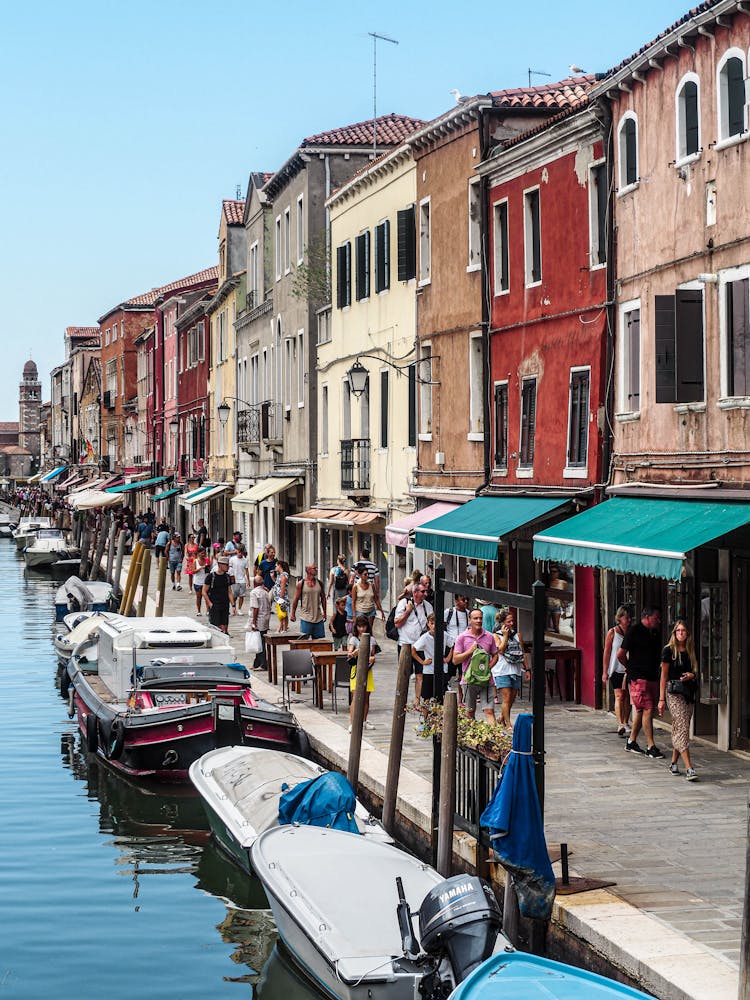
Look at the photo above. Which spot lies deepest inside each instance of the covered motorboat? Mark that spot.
(85, 625)
(165, 692)
(343, 907)
(27, 526)
(45, 547)
(75, 595)
(245, 788)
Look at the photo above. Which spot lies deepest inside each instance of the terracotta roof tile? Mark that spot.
(9, 427)
(82, 332)
(233, 211)
(700, 9)
(149, 298)
(391, 130)
(564, 94)
(14, 449)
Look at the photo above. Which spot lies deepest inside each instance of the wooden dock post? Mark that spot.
(110, 548)
(133, 570)
(161, 583)
(397, 739)
(447, 808)
(145, 572)
(85, 546)
(115, 581)
(96, 562)
(358, 710)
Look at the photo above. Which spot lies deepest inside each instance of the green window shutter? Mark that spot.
(689, 345)
(664, 343)
(407, 244)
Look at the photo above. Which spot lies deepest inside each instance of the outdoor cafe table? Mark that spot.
(273, 641)
(324, 661)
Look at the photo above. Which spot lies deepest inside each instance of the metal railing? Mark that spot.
(256, 423)
(355, 464)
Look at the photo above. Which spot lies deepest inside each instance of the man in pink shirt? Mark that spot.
(481, 695)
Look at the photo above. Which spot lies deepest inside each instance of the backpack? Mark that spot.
(390, 624)
(340, 578)
(478, 671)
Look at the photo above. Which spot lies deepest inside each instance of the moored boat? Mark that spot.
(242, 787)
(75, 595)
(85, 625)
(45, 547)
(27, 526)
(166, 691)
(343, 907)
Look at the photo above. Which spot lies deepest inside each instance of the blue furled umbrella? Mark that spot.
(514, 820)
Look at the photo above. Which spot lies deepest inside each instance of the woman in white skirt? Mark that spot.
(679, 673)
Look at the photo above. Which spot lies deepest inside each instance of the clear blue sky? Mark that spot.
(125, 124)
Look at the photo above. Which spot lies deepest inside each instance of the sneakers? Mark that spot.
(674, 769)
(654, 752)
(690, 774)
(633, 747)
(622, 731)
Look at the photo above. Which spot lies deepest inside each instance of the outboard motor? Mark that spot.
(460, 917)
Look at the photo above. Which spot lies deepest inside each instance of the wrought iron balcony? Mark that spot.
(355, 465)
(256, 423)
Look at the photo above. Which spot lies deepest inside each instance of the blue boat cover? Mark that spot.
(528, 977)
(327, 801)
(514, 820)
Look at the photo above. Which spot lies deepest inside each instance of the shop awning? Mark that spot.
(343, 518)
(139, 484)
(262, 491)
(71, 481)
(49, 476)
(643, 536)
(110, 481)
(397, 532)
(166, 493)
(35, 478)
(203, 493)
(475, 529)
(88, 484)
(95, 498)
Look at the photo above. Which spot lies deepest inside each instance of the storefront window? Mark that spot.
(712, 651)
(559, 581)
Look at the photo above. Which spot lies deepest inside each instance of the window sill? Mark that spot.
(424, 281)
(628, 188)
(502, 471)
(624, 418)
(734, 403)
(598, 267)
(524, 473)
(503, 291)
(472, 436)
(424, 437)
(473, 267)
(575, 473)
(690, 408)
(732, 140)
(300, 406)
(685, 161)
(533, 284)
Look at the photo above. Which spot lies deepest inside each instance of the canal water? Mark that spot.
(107, 888)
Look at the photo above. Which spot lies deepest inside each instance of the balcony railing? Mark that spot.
(256, 423)
(355, 465)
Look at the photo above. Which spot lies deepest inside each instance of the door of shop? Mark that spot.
(741, 652)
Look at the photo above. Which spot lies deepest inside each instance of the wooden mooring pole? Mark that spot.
(145, 571)
(110, 548)
(447, 808)
(115, 578)
(161, 583)
(358, 710)
(397, 739)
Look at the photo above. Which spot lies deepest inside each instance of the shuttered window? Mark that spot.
(501, 426)
(532, 237)
(628, 151)
(363, 266)
(632, 361)
(578, 419)
(407, 243)
(344, 275)
(598, 213)
(732, 97)
(738, 337)
(678, 322)
(687, 119)
(528, 423)
(500, 247)
(383, 256)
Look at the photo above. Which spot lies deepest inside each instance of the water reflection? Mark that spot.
(280, 978)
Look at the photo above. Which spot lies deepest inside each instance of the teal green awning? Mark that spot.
(475, 529)
(166, 493)
(647, 537)
(140, 484)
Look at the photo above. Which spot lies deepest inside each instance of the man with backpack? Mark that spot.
(216, 594)
(475, 651)
(311, 597)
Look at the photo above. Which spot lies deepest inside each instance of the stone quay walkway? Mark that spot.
(675, 849)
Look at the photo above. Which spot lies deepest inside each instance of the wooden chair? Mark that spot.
(341, 677)
(297, 667)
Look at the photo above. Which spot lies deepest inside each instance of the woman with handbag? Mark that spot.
(679, 672)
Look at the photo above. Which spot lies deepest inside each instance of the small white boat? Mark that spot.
(241, 788)
(27, 526)
(45, 547)
(343, 907)
(75, 595)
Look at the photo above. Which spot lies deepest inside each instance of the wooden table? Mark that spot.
(569, 657)
(273, 641)
(325, 663)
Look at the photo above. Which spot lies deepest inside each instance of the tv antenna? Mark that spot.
(238, 192)
(536, 72)
(376, 37)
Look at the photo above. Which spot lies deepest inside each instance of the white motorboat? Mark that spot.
(45, 547)
(75, 595)
(343, 907)
(241, 788)
(80, 625)
(165, 691)
(27, 526)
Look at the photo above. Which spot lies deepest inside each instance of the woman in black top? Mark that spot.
(679, 671)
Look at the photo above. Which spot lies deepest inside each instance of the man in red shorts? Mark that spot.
(640, 654)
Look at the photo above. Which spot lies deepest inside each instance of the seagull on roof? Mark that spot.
(577, 70)
(459, 97)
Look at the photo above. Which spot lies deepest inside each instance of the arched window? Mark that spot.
(688, 117)
(731, 94)
(627, 137)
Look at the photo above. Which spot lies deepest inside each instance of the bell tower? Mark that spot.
(29, 409)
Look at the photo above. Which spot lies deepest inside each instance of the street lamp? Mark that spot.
(223, 409)
(174, 426)
(358, 375)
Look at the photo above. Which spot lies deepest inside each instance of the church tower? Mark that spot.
(29, 409)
